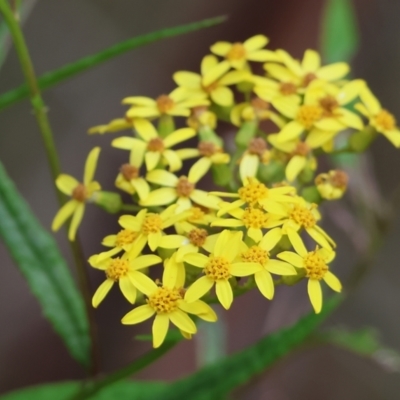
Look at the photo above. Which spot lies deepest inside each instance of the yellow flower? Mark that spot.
(149, 227)
(218, 268)
(382, 120)
(80, 193)
(115, 125)
(195, 216)
(237, 54)
(123, 270)
(316, 269)
(177, 103)
(260, 254)
(182, 190)
(153, 148)
(297, 216)
(300, 156)
(332, 185)
(202, 119)
(129, 179)
(167, 303)
(254, 193)
(307, 71)
(212, 82)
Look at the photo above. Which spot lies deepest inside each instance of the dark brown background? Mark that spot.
(63, 31)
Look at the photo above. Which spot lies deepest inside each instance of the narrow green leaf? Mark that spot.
(339, 36)
(219, 379)
(54, 77)
(36, 254)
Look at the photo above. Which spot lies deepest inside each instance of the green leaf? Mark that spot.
(54, 77)
(339, 35)
(70, 391)
(36, 254)
(217, 380)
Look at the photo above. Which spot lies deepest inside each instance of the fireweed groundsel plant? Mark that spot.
(260, 137)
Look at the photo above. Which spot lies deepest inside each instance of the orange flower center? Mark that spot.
(308, 115)
(164, 103)
(152, 224)
(117, 269)
(385, 120)
(125, 237)
(184, 188)
(329, 104)
(315, 266)
(287, 88)
(207, 149)
(237, 52)
(80, 193)
(156, 144)
(302, 216)
(259, 104)
(256, 254)
(308, 78)
(302, 149)
(218, 268)
(197, 236)
(164, 300)
(253, 192)
(257, 146)
(129, 172)
(197, 214)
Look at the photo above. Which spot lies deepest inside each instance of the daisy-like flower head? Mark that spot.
(181, 190)
(332, 185)
(129, 179)
(300, 156)
(237, 54)
(201, 118)
(316, 269)
(123, 270)
(218, 268)
(149, 227)
(260, 254)
(308, 70)
(195, 216)
(213, 81)
(382, 120)
(153, 148)
(254, 193)
(177, 103)
(80, 194)
(299, 215)
(166, 302)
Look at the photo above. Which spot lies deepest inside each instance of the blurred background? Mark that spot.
(64, 31)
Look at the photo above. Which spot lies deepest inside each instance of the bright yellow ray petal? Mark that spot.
(125, 143)
(160, 197)
(245, 268)
(66, 184)
(127, 289)
(271, 239)
(199, 169)
(265, 283)
(90, 165)
(161, 177)
(196, 259)
(315, 294)
(187, 79)
(311, 61)
(205, 199)
(142, 282)
(290, 131)
(296, 242)
(294, 167)
(139, 101)
(215, 72)
(183, 321)
(101, 292)
(198, 289)
(333, 72)
(146, 129)
(221, 48)
(179, 136)
(63, 214)
(224, 293)
(292, 258)
(332, 281)
(138, 315)
(280, 268)
(160, 329)
(152, 158)
(173, 160)
(76, 220)
(262, 55)
(222, 96)
(141, 186)
(143, 112)
(145, 261)
(249, 166)
(172, 241)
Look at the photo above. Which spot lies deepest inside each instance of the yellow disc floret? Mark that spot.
(315, 266)
(152, 224)
(237, 52)
(253, 192)
(197, 236)
(164, 103)
(156, 144)
(117, 269)
(254, 218)
(184, 188)
(218, 268)
(255, 254)
(125, 237)
(80, 193)
(308, 115)
(303, 216)
(385, 120)
(164, 300)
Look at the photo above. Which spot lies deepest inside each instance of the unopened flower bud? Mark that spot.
(332, 185)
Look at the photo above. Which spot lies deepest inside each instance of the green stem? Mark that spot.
(40, 111)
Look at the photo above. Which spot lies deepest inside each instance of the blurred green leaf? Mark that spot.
(339, 35)
(219, 379)
(36, 254)
(54, 77)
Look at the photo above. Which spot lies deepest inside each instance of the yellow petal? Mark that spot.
(332, 281)
(271, 239)
(280, 268)
(144, 261)
(198, 289)
(187, 79)
(224, 293)
(196, 259)
(127, 289)
(183, 321)
(199, 308)
(76, 220)
(173, 241)
(161, 177)
(370, 101)
(160, 329)
(317, 137)
(221, 48)
(280, 73)
(265, 283)
(350, 91)
(290, 131)
(179, 136)
(222, 96)
(63, 214)
(173, 160)
(350, 119)
(393, 136)
(228, 244)
(138, 315)
(152, 158)
(204, 199)
(199, 169)
(255, 234)
(184, 154)
(154, 239)
(139, 101)
(143, 112)
(215, 72)
(142, 282)
(255, 42)
(66, 184)
(287, 105)
(315, 294)
(290, 62)
(333, 72)
(142, 187)
(125, 143)
(311, 61)
(294, 167)
(296, 242)
(248, 166)
(245, 268)
(262, 55)
(146, 129)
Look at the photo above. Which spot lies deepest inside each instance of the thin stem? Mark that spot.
(40, 111)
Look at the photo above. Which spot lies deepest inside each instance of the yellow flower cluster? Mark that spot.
(268, 233)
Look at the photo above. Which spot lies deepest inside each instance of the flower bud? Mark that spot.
(108, 201)
(332, 185)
